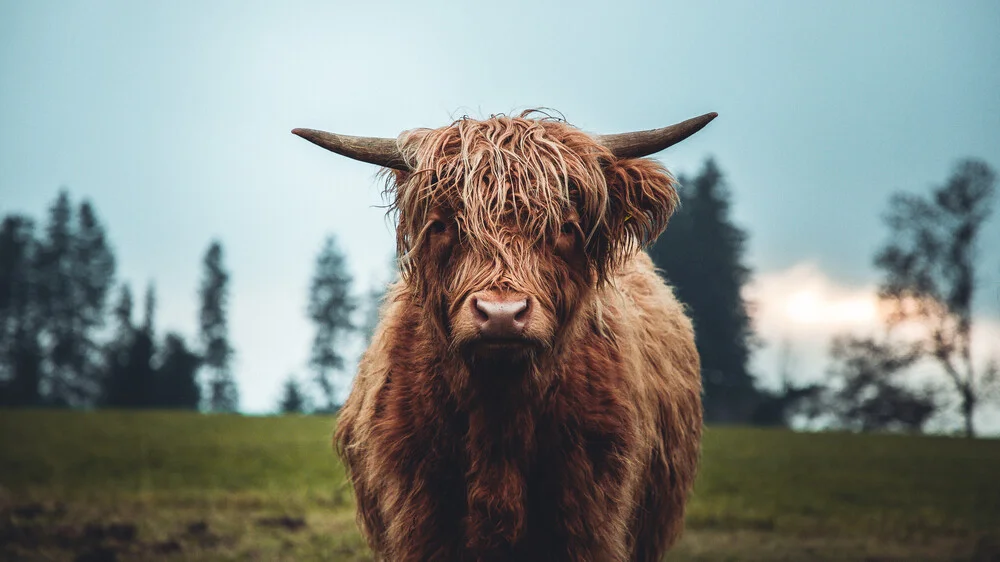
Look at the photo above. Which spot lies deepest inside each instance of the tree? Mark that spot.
(116, 391)
(780, 407)
(57, 305)
(701, 254)
(372, 305)
(131, 381)
(20, 352)
(217, 353)
(178, 375)
(293, 400)
(330, 308)
(95, 268)
(930, 274)
(75, 269)
(868, 394)
(374, 301)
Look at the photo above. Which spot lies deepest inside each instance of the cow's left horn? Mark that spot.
(374, 150)
(644, 143)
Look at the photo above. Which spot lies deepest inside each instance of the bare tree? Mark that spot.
(868, 393)
(930, 266)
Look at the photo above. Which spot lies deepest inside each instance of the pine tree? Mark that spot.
(331, 307)
(62, 352)
(143, 352)
(373, 304)
(95, 269)
(222, 392)
(75, 269)
(701, 254)
(131, 381)
(20, 351)
(374, 301)
(178, 375)
(293, 400)
(116, 390)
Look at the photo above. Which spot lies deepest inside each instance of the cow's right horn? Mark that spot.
(374, 150)
(643, 143)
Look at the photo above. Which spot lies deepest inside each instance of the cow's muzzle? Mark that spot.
(501, 318)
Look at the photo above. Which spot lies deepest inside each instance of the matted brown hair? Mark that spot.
(532, 167)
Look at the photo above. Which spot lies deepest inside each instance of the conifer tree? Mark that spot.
(331, 307)
(20, 351)
(702, 256)
(217, 352)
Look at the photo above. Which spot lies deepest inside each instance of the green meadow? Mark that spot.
(119, 486)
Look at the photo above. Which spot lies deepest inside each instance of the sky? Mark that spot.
(174, 119)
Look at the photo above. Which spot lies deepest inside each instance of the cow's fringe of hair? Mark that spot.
(534, 170)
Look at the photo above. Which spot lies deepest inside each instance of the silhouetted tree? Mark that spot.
(293, 400)
(20, 352)
(930, 273)
(75, 269)
(701, 254)
(330, 308)
(131, 381)
(778, 408)
(217, 354)
(148, 323)
(867, 393)
(116, 389)
(177, 375)
(95, 268)
(55, 296)
(373, 303)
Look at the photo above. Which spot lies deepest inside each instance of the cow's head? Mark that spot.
(505, 225)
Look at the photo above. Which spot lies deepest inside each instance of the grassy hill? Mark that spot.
(176, 486)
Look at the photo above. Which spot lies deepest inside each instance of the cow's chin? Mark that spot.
(506, 354)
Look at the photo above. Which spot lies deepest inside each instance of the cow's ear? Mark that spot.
(641, 198)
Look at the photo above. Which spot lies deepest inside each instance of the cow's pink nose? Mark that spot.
(498, 318)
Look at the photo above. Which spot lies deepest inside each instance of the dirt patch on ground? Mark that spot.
(282, 522)
(39, 531)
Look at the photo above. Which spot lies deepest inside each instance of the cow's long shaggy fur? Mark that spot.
(583, 447)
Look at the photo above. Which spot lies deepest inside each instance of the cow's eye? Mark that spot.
(436, 227)
(568, 228)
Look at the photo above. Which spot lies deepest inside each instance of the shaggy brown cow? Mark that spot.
(532, 391)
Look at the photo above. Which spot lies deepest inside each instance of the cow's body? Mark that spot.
(598, 467)
(533, 390)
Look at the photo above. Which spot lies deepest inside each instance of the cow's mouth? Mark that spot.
(505, 349)
(507, 341)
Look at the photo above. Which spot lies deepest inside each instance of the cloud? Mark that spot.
(804, 302)
(798, 311)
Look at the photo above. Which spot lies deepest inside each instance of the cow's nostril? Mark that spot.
(522, 315)
(478, 311)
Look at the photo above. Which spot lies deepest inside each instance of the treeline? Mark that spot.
(929, 267)
(70, 337)
(63, 344)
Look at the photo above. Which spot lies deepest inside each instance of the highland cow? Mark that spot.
(532, 391)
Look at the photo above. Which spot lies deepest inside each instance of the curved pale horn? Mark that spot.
(644, 143)
(374, 150)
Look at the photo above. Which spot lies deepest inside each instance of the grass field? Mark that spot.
(99, 487)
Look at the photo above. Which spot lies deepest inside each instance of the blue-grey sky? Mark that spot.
(174, 119)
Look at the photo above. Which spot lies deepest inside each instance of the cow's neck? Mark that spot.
(501, 387)
(503, 409)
